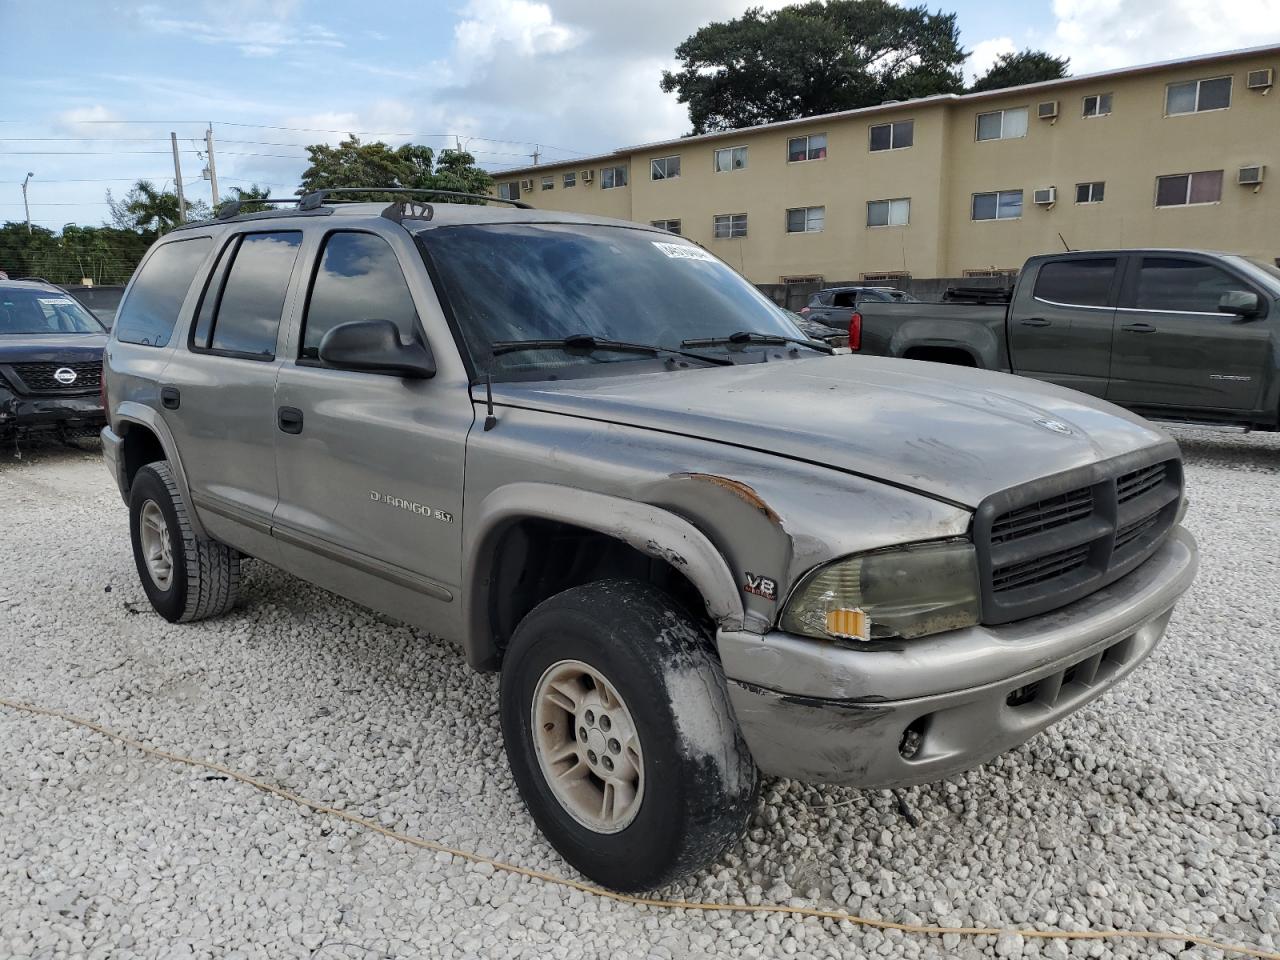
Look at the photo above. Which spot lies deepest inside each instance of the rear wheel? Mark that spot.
(186, 577)
(620, 735)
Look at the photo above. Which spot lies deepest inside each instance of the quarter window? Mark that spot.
(726, 226)
(1185, 286)
(812, 147)
(1090, 192)
(1084, 282)
(806, 219)
(1184, 189)
(671, 226)
(1097, 106)
(1001, 205)
(1003, 124)
(731, 158)
(893, 136)
(149, 313)
(889, 213)
(664, 168)
(245, 318)
(1196, 96)
(571, 179)
(611, 177)
(359, 278)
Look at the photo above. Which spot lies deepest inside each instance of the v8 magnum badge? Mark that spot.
(765, 587)
(421, 509)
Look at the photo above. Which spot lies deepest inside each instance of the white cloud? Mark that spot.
(984, 55)
(526, 29)
(1105, 34)
(257, 28)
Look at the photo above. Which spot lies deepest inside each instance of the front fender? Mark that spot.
(649, 529)
(131, 412)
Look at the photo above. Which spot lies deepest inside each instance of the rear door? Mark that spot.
(1173, 348)
(1061, 319)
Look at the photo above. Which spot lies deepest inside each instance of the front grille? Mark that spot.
(1053, 541)
(42, 377)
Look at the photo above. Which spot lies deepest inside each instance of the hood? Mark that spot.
(953, 433)
(52, 347)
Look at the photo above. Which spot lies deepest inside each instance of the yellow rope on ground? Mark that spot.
(551, 878)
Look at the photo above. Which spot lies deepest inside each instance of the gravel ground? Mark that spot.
(1156, 806)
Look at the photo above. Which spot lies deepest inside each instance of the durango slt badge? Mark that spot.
(411, 506)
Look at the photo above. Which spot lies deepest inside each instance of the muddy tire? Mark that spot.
(186, 577)
(620, 735)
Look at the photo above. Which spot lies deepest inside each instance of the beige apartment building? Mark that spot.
(1165, 154)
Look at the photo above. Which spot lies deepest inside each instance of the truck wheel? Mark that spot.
(185, 577)
(620, 736)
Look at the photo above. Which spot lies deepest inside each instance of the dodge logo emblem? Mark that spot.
(1055, 425)
(65, 376)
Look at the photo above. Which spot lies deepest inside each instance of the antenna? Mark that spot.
(490, 420)
(1064, 241)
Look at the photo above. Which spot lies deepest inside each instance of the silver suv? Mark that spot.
(697, 546)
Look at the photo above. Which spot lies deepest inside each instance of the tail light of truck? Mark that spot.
(804, 311)
(855, 331)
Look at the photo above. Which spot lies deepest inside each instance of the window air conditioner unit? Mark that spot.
(1048, 110)
(588, 176)
(526, 185)
(1261, 79)
(1045, 196)
(1251, 176)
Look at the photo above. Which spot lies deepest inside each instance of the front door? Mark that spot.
(218, 388)
(1172, 346)
(1060, 329)
(369, 464)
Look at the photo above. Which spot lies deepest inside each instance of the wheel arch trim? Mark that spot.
(133, 412)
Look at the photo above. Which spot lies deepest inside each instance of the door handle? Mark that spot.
(1139, 328)
(289, 419)
(170, 398)
(1036, 322)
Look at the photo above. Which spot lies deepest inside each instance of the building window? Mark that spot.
(1196, 96)
(1090, 192)
(671, 226)
(886, 276)
(812, 147)
(1001, 205)
(664, 168)
(893, 136)
(806, 219)
(1097, 106)
(889, 213)
(571, 179)
(990, 273)
(810, 279)
(1003, 124)
(611, 177)
(509, 191)
(548, 183)
(731, 158)
(1185, 189)
(728, 225)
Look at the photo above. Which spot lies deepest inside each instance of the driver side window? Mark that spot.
(359, 278)
(1168, 283)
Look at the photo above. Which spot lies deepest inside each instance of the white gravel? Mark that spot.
(1155, 807)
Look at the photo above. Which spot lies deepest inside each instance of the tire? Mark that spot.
(204, 575)
(695, 782)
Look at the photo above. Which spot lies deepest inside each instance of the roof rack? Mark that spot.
(229, 208)
(316, 197)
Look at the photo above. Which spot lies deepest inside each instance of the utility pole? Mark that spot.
(213, 170)
(25, 205)
(177, 179)
(537, 152)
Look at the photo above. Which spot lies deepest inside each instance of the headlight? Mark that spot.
(902, 592)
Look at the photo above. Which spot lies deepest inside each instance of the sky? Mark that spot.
(91, 89)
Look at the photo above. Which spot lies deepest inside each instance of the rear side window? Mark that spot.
(1085, 283)
(244, 318)
(151, 309)
(359, 278)
(1166, 283)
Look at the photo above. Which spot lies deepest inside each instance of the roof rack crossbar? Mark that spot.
(229, 208)
(317, 197)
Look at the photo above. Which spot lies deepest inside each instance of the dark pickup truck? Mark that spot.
(1177, 335)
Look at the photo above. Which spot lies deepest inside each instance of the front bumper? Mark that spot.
(927, 709)
(21, 415)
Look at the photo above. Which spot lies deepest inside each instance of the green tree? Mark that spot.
(814, 58)
(355, 164)
(1015, 69)
(246, 196)
(101, 254)
(151, 211)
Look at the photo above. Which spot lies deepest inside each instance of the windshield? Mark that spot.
(32, 311)
(542, 281)
(1271, 270)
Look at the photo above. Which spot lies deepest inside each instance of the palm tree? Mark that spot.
(150, 210)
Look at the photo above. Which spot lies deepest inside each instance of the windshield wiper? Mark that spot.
(586, 342)
(749, 336)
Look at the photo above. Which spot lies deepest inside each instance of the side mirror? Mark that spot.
(1243, 303)
(374, 345)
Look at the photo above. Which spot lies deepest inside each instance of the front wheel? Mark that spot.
(620, 736)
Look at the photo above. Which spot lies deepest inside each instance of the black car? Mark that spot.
(50, 362)
(835, 306)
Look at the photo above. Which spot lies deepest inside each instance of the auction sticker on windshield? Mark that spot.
(681, 251)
